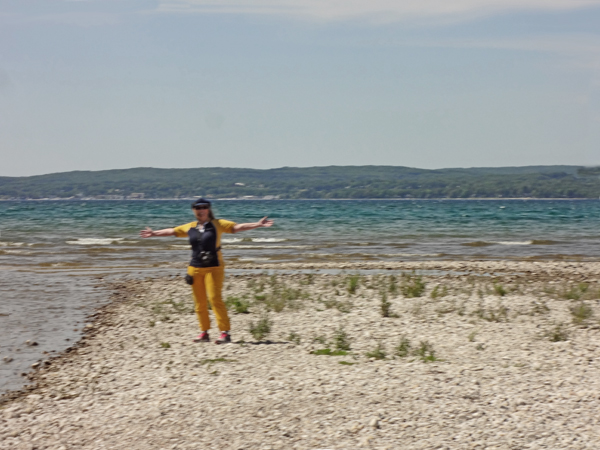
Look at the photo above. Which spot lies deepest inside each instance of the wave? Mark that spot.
(486, 244)
(234, 240)
(252, 259)
(12, 244)
(15, 252)
(265, 247)
(268, 240)
(231, 240)
(95, 241)
(513, 242)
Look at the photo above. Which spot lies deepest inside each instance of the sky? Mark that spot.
(112, 84)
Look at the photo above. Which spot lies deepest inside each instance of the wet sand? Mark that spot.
(495, 355)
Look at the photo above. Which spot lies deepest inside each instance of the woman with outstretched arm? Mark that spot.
(206, 270)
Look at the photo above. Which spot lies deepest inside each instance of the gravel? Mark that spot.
(504, 363)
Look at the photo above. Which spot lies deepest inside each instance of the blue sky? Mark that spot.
(91, 85)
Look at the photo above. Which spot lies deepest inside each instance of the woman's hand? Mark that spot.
(149, 232)
(264, 222)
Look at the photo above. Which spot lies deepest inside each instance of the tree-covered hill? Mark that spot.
(312, 182)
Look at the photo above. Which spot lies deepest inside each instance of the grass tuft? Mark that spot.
(240, 306)
(165, 345)
(295, 338)
(393, 287)
(377, 353)
(412, 286)
(402, 350)
(341, 340)
(386, 306)
(437, 292)
(262, 328)
(539, 308)
(425, 352)
(329, 352)
(558, 333)
(500, 290)
(320, 339)
(499, 314)
(352, 283)
(581, 312)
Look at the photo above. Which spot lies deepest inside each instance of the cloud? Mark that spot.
(380, 10)
(567, 44)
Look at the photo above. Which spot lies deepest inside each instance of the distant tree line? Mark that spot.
(332, 182)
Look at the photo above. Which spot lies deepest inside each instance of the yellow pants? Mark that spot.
(209, 280)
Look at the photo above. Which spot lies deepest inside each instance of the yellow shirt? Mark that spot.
(221, 225)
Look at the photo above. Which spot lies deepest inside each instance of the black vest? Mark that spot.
(204, 246)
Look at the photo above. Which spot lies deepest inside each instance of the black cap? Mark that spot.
(201, 201)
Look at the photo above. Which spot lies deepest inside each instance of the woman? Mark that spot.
(206, 270)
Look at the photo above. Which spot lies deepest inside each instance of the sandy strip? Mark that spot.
(509, 361)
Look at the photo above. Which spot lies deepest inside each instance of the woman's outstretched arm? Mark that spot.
(149, 232)
(251, 226)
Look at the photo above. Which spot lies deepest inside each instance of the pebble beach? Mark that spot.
(419, 355)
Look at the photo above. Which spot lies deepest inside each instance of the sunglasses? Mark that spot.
(197, 207)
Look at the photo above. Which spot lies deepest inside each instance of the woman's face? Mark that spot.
(201, 214)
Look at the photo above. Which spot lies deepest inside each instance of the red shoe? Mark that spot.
(224, 339)
(202, 337)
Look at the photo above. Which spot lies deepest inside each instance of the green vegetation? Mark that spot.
(412, 286)
(437, 292)
(240, 306)
(260, 329)
(312, 182)
(377, 353)
(498, 314)
(341, 340)
(575, 292)
(386, 306)
(581, 312)
(557, 334)
(425, 352)
(295, 338)
(165, 345)
(352, 283)
(320, 339)
(500, 290)
(402, 350)
(340, 343)
(329, 352)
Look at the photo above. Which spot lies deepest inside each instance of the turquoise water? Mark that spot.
(104, 233)
(50, 251)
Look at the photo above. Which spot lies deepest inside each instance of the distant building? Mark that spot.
(136, 195)
(109, 197)
(239, 184)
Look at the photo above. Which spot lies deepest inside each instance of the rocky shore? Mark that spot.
(423, 355)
